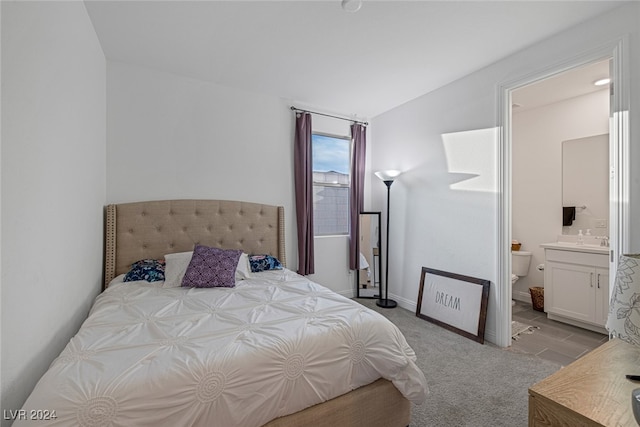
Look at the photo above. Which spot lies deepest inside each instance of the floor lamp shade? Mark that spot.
(387, 177)
(623, 321)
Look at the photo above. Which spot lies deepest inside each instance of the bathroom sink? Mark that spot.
(568, 246)
(569, 242)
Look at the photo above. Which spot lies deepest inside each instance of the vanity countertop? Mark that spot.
(565, 246)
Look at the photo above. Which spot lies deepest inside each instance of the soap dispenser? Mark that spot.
(580, 240)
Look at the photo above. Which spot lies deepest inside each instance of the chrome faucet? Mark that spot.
(604, 241)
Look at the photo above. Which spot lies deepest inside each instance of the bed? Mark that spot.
(276, 349)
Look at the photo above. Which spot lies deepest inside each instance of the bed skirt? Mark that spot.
(378, 404)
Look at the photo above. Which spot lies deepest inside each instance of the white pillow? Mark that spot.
(176, 266)
(243, 271)
(116, 280)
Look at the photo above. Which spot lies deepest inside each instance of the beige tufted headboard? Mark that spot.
(149, 230)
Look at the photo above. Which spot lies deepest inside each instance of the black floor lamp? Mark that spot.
(387, 177)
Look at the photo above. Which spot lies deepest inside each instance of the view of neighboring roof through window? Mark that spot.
(331, 179)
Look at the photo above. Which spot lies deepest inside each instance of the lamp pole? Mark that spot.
(386, 302)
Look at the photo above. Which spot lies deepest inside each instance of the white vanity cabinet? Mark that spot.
(576, 285)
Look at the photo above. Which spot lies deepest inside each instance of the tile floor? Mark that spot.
(554, 341)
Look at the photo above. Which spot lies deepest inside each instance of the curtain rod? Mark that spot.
(328, 115)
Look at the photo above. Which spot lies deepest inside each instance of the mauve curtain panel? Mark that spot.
(303, 174)
(356, 205)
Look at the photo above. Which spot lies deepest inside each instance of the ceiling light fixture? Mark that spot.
(602, 82)
(351, 5)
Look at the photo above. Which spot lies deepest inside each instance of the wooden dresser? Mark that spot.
(592, 391)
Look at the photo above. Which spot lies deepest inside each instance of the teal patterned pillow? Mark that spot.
(263, 263)
(151, 270)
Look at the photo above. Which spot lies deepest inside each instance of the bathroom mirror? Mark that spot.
(585, 185)
(368, 276)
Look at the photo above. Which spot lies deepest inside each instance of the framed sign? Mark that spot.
(454, 301)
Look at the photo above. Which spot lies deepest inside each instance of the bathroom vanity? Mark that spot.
(576, 284)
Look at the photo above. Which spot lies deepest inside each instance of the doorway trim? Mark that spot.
(617, 52)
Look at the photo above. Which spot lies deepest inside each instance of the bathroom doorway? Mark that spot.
(618, 222)
(557, 124)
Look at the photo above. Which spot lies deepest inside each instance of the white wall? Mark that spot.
(445, 207)
(537, 172)
(53, 184)
(172, 137)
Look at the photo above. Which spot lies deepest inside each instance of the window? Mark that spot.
(331, 179)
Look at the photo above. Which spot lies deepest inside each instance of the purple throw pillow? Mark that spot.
(212, 268)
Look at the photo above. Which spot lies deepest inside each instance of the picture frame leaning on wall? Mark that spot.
(454, 301)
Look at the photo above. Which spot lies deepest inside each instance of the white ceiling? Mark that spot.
(316, 54)
(569, 84)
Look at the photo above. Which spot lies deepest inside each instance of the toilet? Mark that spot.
(520, 261)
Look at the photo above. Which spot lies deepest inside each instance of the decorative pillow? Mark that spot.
(212, 267)
(263, 263)
(151, 270)
(176, 267)
(178, 263)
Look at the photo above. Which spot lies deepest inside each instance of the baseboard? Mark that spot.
(404, 303)
(348, 293)
(522, 296)
(584, 325)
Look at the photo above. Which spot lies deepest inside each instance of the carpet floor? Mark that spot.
(470, 384)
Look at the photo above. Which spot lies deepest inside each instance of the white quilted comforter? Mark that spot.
(271, 346)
